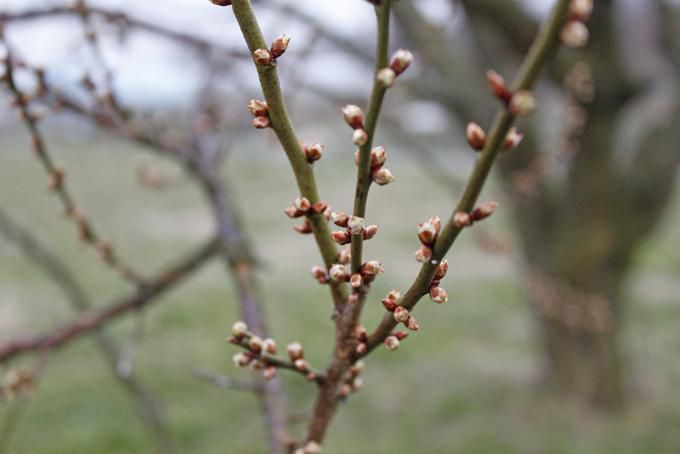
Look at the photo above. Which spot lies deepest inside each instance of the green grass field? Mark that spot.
(466, 383)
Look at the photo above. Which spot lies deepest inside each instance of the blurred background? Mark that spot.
(560, 334)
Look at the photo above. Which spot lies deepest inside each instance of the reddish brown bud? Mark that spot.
(314, 152)
(269, 373)
(438, 295)
(498, 86)
(302, 203)
(389, 304)
(401, 314)
(400, 335)
(353, 116)
(56, 180)
(293, 212)
(442, 269)
(304, 228)
(341, 237)
(301, 364)
(371, 268)
(383, 176)
(391, 343)
(255, 344)
(338, 273)
(378, 156)
(319, 207)
(295, 351)
(370, 231)
(483, 211)
(476, 136)
(356, 225)
(412, 324)
(361, 333)
(427, 233)
(423, 254)
(221, 2)
(461, 219)
(279, 46)
(319, 274)
(359, 137)
(258, 108)
(512, 139)
(269, 346)
(400, 61)
(242, 359)
(361, 348)
(340, 218)
(261, 122)
(356, 280)
(263, 57)
(345, 256)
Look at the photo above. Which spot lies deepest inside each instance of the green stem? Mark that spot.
(283, 127)
(546, 41)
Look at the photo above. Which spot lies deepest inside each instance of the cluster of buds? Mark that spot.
(380, 175)
(352, 382)
(399, 63)
(297, 356)
(400, 313)
(520, 103)
(267, 57)
(256, 352)
(259, 110)
(437, 293)
(461, 219)
(575, 33)
(354, 117)
(427, 233)
(303, 207)
(313, 152)
(476, 137)
(366, 274)
(17, 381)
(354, 225)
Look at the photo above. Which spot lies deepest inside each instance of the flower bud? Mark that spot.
(295, 351)
(400, 61)
(370, 231)
(512, 139)
(356, 280)
(319, 274)
(356, 225)
(394, 295)
(423, 254)
(498, 86)
(302, 203)
(301, 364)
(255, 344)
(269, 373)
(293, 212)
(523, 103)
(386, 77)
(269, 346)
(241, 359)
(359, 137)
(378, 156)
(279, 46)
(400, 314)
(361, 333)
(391, 343)
(476, 136)
(353, 116)
(258, 108)
(580, 10)
(484, 211)
(400, 335)
(314, 152)
(383, 176)
(441, 271)
(341, 237)
(345, 256)
(239, 329)
(361, 348)
(261, 122)
(461, 219)
(412, 324)
(389, 305)
(439, 295)
(574, 34)
(304, 228)
(221, 2)
(319, 207)
(427, 233)
(338, 272)
(263, 57)
(371, 268)
(340, 218)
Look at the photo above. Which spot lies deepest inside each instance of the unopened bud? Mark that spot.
(339, 218)
(341, 237)
(314, 152)
(269, 373)
(412, 324)
(255, 344)
(370, 231)
(400, 314)
(574, 34)
(423, 254)
(353, 116)
(461, 219)
(476, 136)
(391, 343)
(442, 269)
(279, 46)
(304, 228)
(261, 122)
(389, 305)
(523, 103)
(293, 212)
(359, 137)
(301, 364)
(361, 348)
(295, 351)
(580, 9)
(394, 295)
(401, 60)
(378, 156)
(239, 329)
(498, 86)
(383, 176)
(371, 268)
(258, 108)
(262, 57)
(484, 211)
(401, 335)
(241, 359)
(356, 280)
(427, 233)
(345, 256)
(512, 139)
(386, 77)
(439, 295)
(319, 207)
(319, 274)
(269, 346)
(302, 203)
(338, 272)
(356, 225)
(221, 2)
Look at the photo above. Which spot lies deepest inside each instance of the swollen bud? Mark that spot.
(356, 225)
(574, 34)
(295, 351)
(498, 86)
(386, 77)
(359, 137)
(314, 152)
(423, 254)
(261, 122)
(353, 116)
(279, 46)
(341, 237)
(476, 136)
(401, 60)
(483, 211)
(438, 295)
(461, 219)
(239, 329)
(523, 103)
(263, 57)
(338, 272)
(512, 139)
(401, 314)
(258, 108)
(391, 343)
(383, 176)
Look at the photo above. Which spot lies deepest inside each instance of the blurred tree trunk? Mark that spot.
(580, 224)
